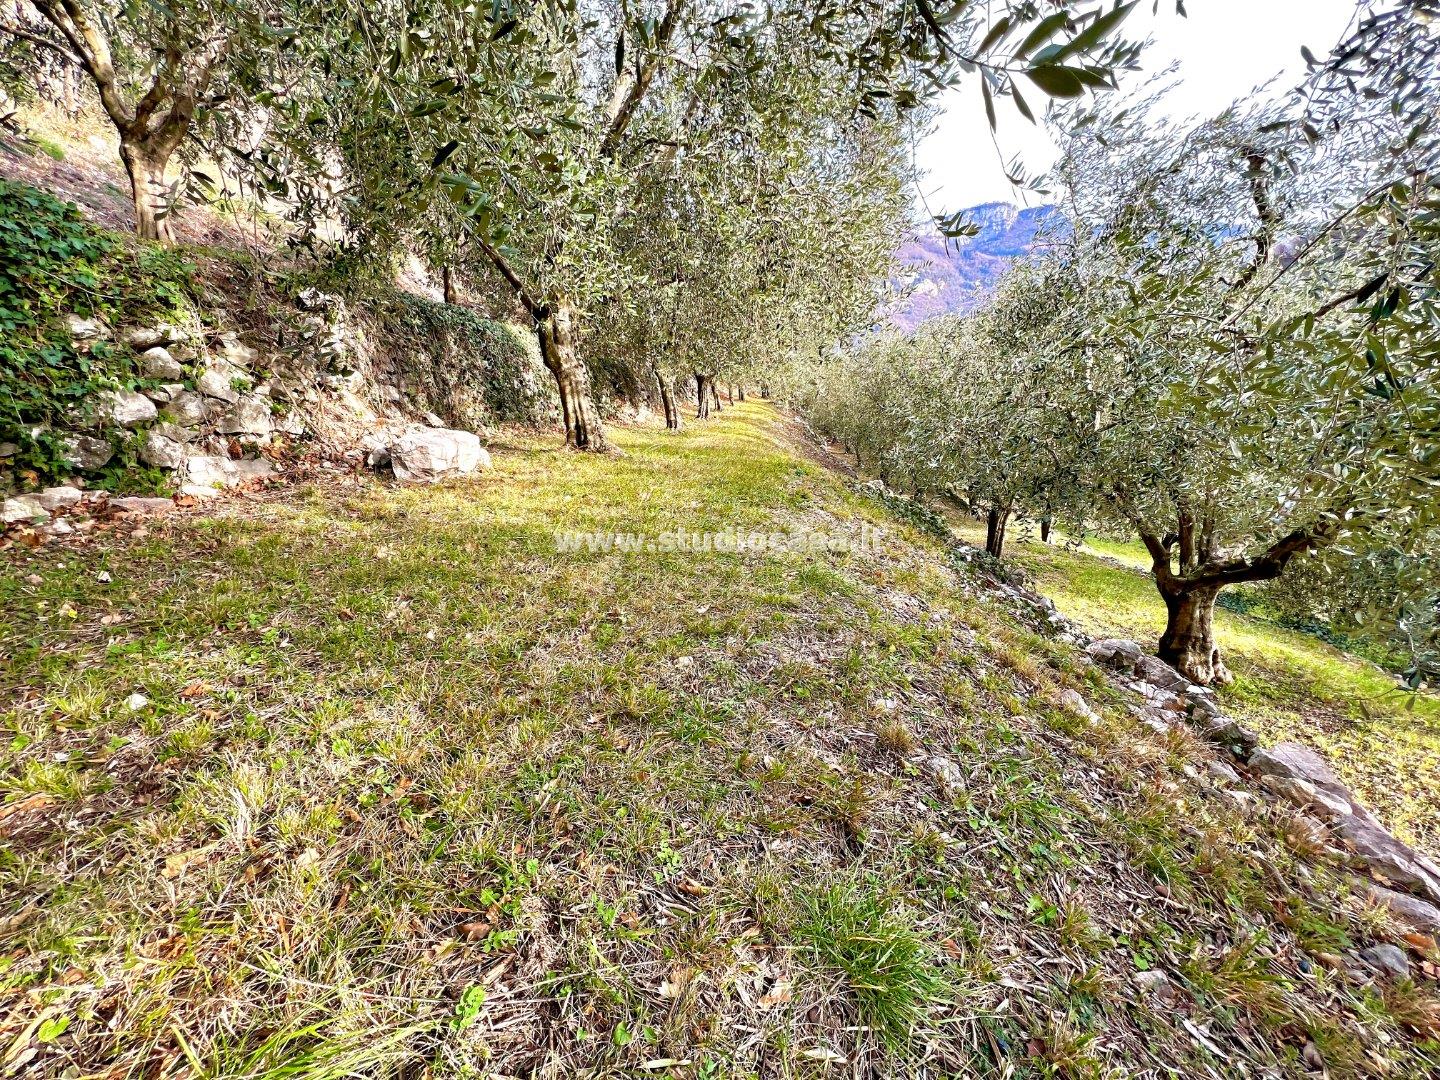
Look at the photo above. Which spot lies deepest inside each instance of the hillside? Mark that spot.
(940, 277)
(358, 779)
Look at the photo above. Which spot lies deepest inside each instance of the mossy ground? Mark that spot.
(1385, 742)
(414, 794)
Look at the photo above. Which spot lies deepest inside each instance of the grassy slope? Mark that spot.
(1288, 685)
(412, 792)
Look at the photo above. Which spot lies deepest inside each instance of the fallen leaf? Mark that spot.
(691, 887)
(779, 994)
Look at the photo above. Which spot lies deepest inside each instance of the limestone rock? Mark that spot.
(83, 329)
(60, 527)
(205, 470)
(164, 393)
(57, 498)
(1158, 673)
(162, 452)
(218, 381)
(1388, 857)
(186, 408)
(1118, 653)
(144, 338)
(87, 453)
(22, 508)
(126, 408)
(1408, 909)
(945, 773)
(158, 363)
(248, 416)
(1388, 960)
(234, 351)
(8, 449)
(1072, 702)
(431, 454)
(1220, 771)
(1230, 733)
(174, 432)
(135, 504)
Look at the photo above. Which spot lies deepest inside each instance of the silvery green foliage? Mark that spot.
(1234, 351)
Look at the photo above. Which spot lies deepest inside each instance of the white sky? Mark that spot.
(1225, 49)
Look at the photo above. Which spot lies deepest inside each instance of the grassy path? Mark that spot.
(407, 792)
(1288, 685)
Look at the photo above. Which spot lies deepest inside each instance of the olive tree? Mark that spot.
(158, 70)
(1260, 342)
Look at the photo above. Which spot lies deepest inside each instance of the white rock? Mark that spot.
(174, 432)
(126, 408)
(57, 498)
(60, 527)
(158, 363)
(232, 349)
(218, 381)
(1074, 703)
(248, 416)
(135, 504)
(162, 452)
(945, 773)
(144, 338)
(199, 491)
(136, 702)
(8, 449)
(23, 508)
(207, 470)
(187, 408)
(82, 329)
(430, 454)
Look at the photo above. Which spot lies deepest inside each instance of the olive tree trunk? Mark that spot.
(1188, 644)
(583, 430)
(667, 399)
(703, 393)
(145, 164)
(996, 520)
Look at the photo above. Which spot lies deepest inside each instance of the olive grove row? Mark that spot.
(1232, 351)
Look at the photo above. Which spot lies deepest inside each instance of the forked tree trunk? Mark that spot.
(583, 430)
(714, 394)
(146, 168)
(995, 522)
(730, 394)
(741, 392)
(1188, 644)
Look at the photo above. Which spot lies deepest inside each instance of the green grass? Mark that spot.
(1383, 741)
(412, 793)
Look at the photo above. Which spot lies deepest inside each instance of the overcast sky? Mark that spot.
(1224, 50)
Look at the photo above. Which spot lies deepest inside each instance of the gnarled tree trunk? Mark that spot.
(714, 394)
(1190, 572)
(1188, 644)
(145, 165)
(447, 284)
(703, 393)
(1046, 523)
(557, 330)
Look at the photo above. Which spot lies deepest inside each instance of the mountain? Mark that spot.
(939, 277)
